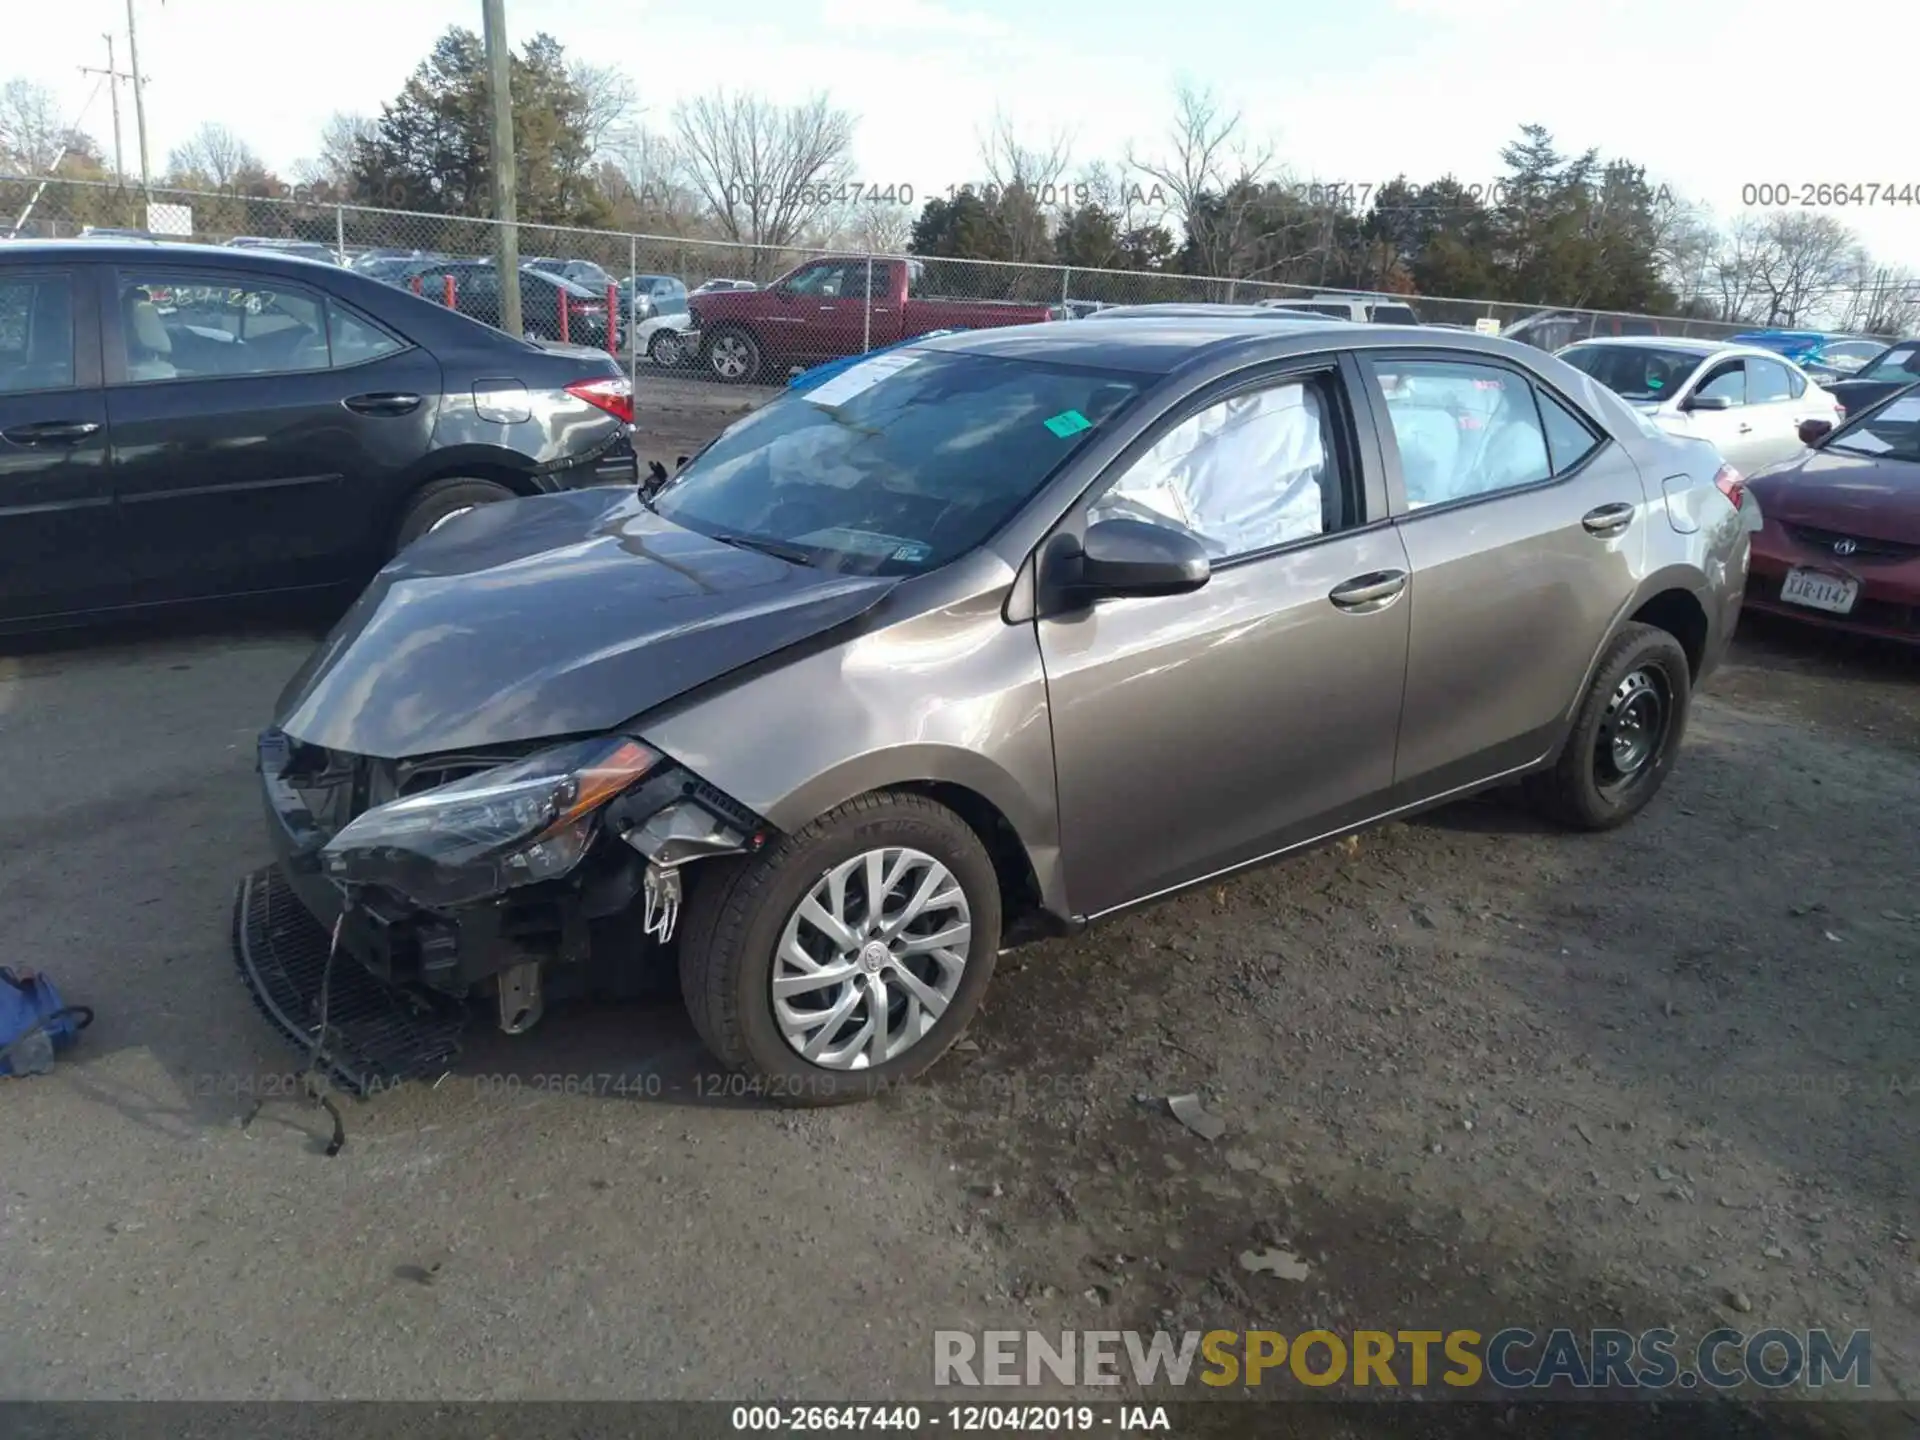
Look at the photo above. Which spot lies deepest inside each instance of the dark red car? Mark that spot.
(1841, 540)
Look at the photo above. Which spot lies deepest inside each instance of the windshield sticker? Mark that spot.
(913, 553)
(858, 379)
(1068, 422)
(864, 542)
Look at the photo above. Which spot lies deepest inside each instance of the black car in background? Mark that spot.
(180, 422)
(1894, 368)
(476, 292)
(584, 273)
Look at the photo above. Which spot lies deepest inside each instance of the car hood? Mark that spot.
(550, 616)
(1856, 494)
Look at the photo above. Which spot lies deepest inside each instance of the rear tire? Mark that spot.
(732, 356)
(1625, 736)
(441, 500)
(743, 911)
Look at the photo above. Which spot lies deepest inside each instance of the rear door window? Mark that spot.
(1768, 381)
(199, 326)
(36, 332)
(1463, 429)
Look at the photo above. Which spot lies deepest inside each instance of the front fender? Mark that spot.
(952, 695)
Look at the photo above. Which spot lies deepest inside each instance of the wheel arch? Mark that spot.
(1668, 600)
(1024, 850)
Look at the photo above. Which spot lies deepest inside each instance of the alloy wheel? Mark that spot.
(666, 349)
(1633, 729)
(871, 958)
(729, 357)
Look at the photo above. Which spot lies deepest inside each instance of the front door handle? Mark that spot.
(51, 432)
(1366, 593)
(1745, 429)
(383, 403)
(1607, 520)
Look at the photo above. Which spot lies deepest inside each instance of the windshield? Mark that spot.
(1899, 365)
(1635, 372)
(897, 465)
(1890, 433)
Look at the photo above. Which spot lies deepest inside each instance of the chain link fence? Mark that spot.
(629, 292)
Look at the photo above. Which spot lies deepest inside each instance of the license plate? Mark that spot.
(1820, 592)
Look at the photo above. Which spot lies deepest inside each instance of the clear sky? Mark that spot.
(1709, 97)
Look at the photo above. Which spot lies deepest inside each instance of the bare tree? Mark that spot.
(1737, 266)
(216, 154)
(1210, 175)
(340, 139)
(1880, 299)
(769, 174)
(1684, 246)
(1805, 259)
(1025, 183)
(879, 228)
(33, 133)
(607, 100)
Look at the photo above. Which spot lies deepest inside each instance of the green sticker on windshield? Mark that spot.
(1069, 422)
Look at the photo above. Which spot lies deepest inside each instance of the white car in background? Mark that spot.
(659, 339)
(1749, 402)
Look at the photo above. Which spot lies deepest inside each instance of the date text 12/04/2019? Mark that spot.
(1811, 194)
(959, 1419)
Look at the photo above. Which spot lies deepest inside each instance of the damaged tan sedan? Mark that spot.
(977, 640)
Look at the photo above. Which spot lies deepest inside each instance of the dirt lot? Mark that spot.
(1473, 1072)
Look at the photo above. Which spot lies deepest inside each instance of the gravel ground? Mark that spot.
(1473, 1072)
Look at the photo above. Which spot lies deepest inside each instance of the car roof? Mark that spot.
(1670, 342)
(174, 252)
(1160, 345)
(1199, 309)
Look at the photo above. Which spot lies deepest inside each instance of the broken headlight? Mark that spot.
(512, 825)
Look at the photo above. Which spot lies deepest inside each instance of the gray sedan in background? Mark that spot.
(979, 640)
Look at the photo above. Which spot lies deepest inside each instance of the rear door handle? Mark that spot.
(1607, 519)
(1373, 591)
(1745, 430)
(383, 403)
(51, 432)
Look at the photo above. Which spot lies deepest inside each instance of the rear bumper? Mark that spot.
(614, 463)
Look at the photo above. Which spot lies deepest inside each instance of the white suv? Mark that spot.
(1361, 308)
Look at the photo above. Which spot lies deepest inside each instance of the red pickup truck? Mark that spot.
(822, 311)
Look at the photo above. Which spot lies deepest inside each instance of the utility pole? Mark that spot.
(139, 103)
(114, 77)
(506, 237)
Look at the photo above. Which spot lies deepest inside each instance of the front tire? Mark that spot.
(732, 356)
(1625, 736)
(846, 957)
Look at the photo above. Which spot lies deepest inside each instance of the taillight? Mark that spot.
(1732, 484)
(613, 395)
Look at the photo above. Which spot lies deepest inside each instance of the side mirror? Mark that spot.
(1812, 432)
(1122, 557)
(1706, 402)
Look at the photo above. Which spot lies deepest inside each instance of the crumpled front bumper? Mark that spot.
(362, 1033)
